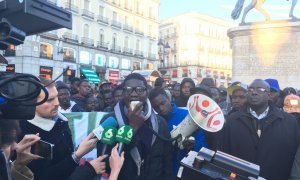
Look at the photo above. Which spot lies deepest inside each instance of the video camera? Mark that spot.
(208, 164)
(20, 18)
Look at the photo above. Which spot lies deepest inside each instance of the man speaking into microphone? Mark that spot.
(146, 156)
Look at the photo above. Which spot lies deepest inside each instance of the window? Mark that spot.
(137, 25)
(46, 50)
(150, 48)
(101, 10)
(150, 30)
(137, 7)
(86, 30)
(86, 4)
(10, 51)
(137, 44)
(126, 20)
(114, 41)
(114, 16)
(136, 65)
(150, 12)
(101, 36)
(69, 54)
(174, 60)
(126, 42)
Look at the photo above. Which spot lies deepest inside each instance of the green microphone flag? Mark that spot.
(108, 135)
(124, 134)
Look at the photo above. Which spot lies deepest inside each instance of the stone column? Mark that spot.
(267, 50)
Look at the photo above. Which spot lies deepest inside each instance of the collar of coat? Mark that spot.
(45, 123)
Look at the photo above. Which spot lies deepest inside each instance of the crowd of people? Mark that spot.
(261, 126)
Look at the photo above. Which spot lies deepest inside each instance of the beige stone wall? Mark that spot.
(270, 50)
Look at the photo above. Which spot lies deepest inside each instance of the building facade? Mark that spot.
(111, 37)
(196, 46)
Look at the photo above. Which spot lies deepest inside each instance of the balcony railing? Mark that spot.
(126, 27)
(46, 56)
(127, 51)
(52, 2)
(69, 58)
(87, 13)
(151, 56)
(116, 24)
(116, 49)
(71, 7)
(10, 52)
(87, 41)
(174, 50)
(70, 36)
(102, 19)
(50, 34)
(102, 45)
(138, 53)
(138, 32)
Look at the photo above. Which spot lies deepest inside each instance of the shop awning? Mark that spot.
(90, 75)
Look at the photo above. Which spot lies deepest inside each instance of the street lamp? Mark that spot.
(164, 46)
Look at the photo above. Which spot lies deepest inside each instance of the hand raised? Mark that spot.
(136, 117)
(24, 155)
(86, 145)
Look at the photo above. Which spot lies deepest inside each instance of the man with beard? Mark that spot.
(53, 127)
(262, 134)
(185, 86)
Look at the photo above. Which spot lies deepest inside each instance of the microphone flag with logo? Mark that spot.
(124, 136)
(108, 138)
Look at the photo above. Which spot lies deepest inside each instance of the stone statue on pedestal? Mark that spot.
(257, 4)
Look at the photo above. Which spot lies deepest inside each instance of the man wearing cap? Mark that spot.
(292, 106)
(262, 134)
(238, 96)
(274, 90)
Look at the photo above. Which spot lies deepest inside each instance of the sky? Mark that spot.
(278, 9)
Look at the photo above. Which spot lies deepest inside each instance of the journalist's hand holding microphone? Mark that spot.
(86, 145)
(115, 162)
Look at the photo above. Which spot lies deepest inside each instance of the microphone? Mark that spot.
(124, 136)
(111, 121)
(108, 138)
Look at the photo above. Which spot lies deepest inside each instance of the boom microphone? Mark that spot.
(109, 122)
(124, 136)
(108, 138)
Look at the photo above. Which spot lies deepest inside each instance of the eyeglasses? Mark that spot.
(139, 90)
(257, 89)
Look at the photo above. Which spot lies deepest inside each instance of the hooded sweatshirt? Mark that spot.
(182, 100)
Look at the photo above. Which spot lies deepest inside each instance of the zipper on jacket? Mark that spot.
(139, 165)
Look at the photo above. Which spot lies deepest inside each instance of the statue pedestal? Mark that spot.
(267, 50)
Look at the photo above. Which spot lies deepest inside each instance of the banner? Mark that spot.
(82, 124)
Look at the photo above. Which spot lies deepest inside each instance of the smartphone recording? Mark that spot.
(43, 149)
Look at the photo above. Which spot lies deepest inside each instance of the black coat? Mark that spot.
(85, 172)
(62, 164)
(274, 151)
(157, 163)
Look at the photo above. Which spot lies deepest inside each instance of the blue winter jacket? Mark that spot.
(177, 115)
